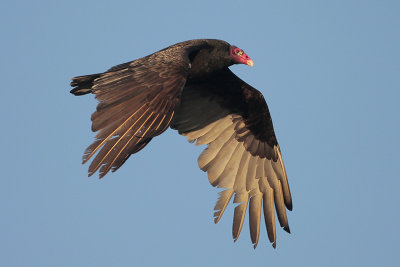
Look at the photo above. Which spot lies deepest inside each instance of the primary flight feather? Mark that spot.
(189, 87)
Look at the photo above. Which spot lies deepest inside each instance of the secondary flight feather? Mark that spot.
(189, 87)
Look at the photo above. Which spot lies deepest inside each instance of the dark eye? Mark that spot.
(238, 52)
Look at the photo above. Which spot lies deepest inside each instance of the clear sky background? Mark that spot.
(329, 70)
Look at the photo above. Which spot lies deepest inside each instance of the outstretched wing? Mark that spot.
(137, 101)
(242, 156)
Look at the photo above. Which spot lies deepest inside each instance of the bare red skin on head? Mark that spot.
(240, 56)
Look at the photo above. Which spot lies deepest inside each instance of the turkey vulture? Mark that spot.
(189, 87)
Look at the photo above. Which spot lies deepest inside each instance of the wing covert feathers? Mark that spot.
(244, 166)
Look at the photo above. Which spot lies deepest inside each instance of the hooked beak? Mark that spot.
(250, 63)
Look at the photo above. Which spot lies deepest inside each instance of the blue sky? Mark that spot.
(329, 71)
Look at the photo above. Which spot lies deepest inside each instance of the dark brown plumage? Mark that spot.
(189, 87)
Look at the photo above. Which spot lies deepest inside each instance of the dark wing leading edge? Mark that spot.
(137, 101)
(243, 155)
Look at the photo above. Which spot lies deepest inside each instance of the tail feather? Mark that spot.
(83, 84)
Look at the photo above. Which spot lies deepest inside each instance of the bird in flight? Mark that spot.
(188, 86)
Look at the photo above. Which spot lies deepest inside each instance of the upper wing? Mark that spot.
(137, 101)
(243, 155)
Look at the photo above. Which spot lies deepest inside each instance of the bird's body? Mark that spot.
(189, 87)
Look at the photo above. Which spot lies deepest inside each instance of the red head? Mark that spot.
(240, 57)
